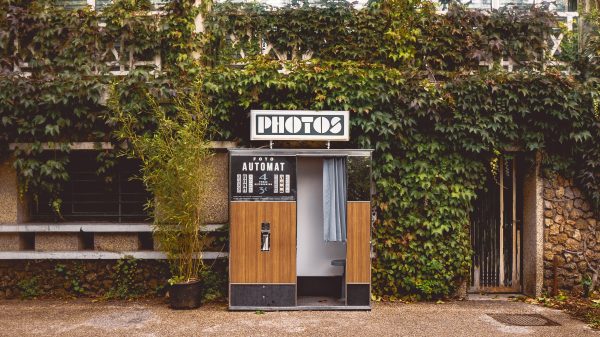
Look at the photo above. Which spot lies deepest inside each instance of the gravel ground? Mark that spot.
(154, 318)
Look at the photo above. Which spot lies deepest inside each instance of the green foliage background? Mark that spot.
(412, 79)
(433, 144)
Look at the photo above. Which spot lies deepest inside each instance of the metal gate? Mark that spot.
(496, 231)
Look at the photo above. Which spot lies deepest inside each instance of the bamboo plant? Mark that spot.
(175, 168)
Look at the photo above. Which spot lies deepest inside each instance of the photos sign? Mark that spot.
(299, 125)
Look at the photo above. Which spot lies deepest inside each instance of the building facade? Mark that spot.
(543, 236)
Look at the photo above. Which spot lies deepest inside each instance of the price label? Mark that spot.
(263, 178)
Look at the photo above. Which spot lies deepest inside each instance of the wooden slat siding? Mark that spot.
(358, 259)
(247, 263)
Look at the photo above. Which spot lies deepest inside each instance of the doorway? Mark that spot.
(496, 229)
(320, 263)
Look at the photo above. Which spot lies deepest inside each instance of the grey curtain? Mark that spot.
(334, 199)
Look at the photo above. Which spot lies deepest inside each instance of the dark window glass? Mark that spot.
(359, 178)
(116, 196)
(71, 4)
(100, 4)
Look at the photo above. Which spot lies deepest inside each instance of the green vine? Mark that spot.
(395, 32)
(64, 61)
(125, 285)
(433, 143)
(73, 276)
(30, 287)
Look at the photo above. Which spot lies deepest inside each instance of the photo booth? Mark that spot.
(300, 229)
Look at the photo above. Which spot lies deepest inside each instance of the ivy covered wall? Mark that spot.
(434, 145)
(425, 90)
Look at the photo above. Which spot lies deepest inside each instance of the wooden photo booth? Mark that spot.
(300, 229)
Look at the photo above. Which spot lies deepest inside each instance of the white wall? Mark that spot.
(314, 254)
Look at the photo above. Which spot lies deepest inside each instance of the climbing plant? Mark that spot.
(432, 141)
(395, 33)
(56, 65)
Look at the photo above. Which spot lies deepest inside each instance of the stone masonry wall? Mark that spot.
(568, 221)
(84, 278)
(125, 278)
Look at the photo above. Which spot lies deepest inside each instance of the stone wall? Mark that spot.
(125, 278)
(85, 278)
(568, 221)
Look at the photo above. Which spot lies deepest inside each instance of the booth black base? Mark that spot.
(282, 297)
(303, 308)
(263, 295)
(359, 294)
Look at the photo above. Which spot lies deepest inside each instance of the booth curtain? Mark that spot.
(334, 199)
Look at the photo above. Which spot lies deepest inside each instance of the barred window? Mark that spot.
(72, 4)
(558, 5)
(99, 4)
(116, 196)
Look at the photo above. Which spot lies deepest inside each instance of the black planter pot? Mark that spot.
(186, 295)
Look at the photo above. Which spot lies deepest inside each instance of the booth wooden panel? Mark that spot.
(248, 264)
(358, 259)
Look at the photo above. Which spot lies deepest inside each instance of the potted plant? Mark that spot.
(175, 168)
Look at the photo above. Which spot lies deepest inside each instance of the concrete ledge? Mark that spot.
(96, 255)
(93, 227)
(223, 145)
(103, 145)
(72, 146)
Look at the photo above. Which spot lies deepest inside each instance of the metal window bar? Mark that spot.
(100, 4)
(496, 229)
(560, 6)
(88, 197)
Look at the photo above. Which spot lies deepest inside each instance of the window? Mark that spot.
(113, 197)
(558, 5)
(99, 4)
(72, 4)
(283, 3)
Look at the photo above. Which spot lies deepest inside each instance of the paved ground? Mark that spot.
(153, 318)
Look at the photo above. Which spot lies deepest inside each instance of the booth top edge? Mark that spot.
(300, 152)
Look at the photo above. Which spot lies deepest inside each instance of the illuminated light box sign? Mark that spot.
(299, 125)
(263, 178)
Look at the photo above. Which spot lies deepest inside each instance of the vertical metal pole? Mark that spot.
(501, 234)
(119, 197)
(514, 223)
(72, 189)
(555, 276)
